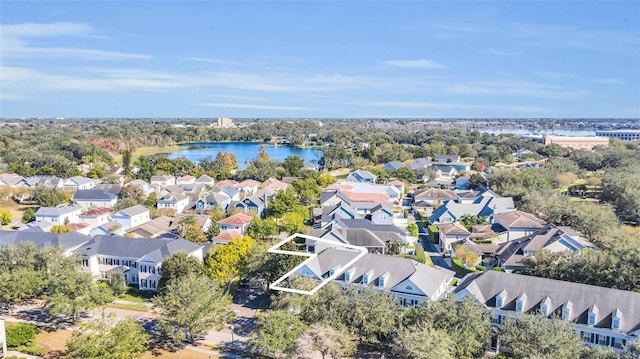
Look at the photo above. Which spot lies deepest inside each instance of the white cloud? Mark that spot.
(529, 109)
(514, 88)
(414, 64)
(15, 43)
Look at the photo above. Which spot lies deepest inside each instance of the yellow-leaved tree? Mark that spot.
(225, 262)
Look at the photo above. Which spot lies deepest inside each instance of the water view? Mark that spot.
(244, 151)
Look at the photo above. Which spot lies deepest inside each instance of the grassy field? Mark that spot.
(148, 151)
(15, 209)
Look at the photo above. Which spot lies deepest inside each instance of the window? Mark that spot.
(592, 319)
(365, 279)
(603, 339)
(381, 283)
(519, 305)
(331, 272)
(565, 313)
(615, 323)
(499, 301)
(543, 309)
(143, 283)
(143, 269)
(586, 337)
(153, 269)
(347, 276)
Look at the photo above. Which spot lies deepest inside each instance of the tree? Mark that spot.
(125, 203)
(106, 338)
(5, 217)
(536, 336)
(179, 265)
(476, 180)
(262, 228)
(21, 273)
(190, 230)
(278, 332)
(190, 306)
(224, 263)
(60, 229)
(413, 229)
(133, 191)
(263, 155)
(48, 196)
(405, 174)
(469, 220)
(213, 230)
(292, 165)
(291, 223)
(29, 215)
(117, 284)
(422, 341)
(329, 341)
(126, 161)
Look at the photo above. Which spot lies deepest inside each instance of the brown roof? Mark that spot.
(238, 218)
(227, 182)
(98, 211)
(366, 197)
(519, 219)
(78, 226)
(227, 236)
(437, 193)
(453, 228)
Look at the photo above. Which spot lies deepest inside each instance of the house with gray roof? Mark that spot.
(483, 206)
(205, 180)
(358, 232)
(175, 201)
(519, 223)
(510, 255)
(91, 198)
(132, 217)
(419, 163)
(78, 182)
(212, 199)
(602, 317)
(410, 282)
(59, 215)
(392, 166)
(68, 242)
(138, 260)
(362, 176)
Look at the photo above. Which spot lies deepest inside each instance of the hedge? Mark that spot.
(434, 233)
(460, 268)
(20, 334)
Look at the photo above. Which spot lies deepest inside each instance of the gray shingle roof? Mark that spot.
(57, 211)
(132, 211)
(93, 195)
(487, 285)
(43, 239)
(117, 246)
(397, 270)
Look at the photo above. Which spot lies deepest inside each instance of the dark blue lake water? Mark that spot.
(244, 151)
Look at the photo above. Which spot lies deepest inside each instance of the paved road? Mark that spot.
(431, 250)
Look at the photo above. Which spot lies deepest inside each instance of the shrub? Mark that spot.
(5, 217)
(20, 334)
(498, 269)
(481, 268)
(37, 351)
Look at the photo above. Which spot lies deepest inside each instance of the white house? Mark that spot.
(89, 198)
(78, 182)
(131, 217)
(602, 317)
(186, 179)
(59, 215)
(518, 223)
(451, 233)
(175, 201)
(137, 260)
(411, 282)
(163, 180)
(237, 222)
(361, 176)
(96, 216)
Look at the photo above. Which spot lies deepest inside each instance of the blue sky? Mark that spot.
(320, 59)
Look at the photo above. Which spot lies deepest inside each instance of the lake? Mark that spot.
(244, 151)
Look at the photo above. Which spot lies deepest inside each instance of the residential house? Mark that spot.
(461, 166)
(186, 179)
(46, 181)
(109, 228)
(446, 158)
(397, 184)
(519, 223)
(227, 182)
(248, 186)
(59, 215)
(203, 221)
(510, 255)
(410, 282)
(67, 242)
(450, 234)
(131, 217)
(138, 260)
(175, 201)
(78, 183)
(162, 180)
(114, 189)
(381, 213)
(429, 198)
(327, 214)
(238, 222)
(226, 237)
(90, 198)
(254, 204)
(419, 163)
(161, 227)
(493, 232)
(12, 180)
(205, 180)
(392, 166)
(274, 185)
(229, 191)
(483, 206)
(96, 216)
(82, 228)
(362, 176)
(212, 199)
(602, 317)
(359, 232)
(146, 188)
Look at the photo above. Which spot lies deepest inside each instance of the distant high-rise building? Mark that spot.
(625, 135)
(224, 122)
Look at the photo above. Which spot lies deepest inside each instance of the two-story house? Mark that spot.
(175, 201)
(602, 317)
(131, 217)
(59, 215)
(89, 198)
(519, 223)
(237, 222)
